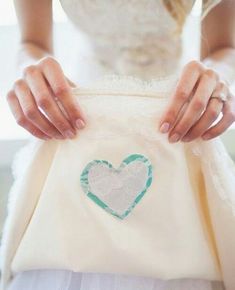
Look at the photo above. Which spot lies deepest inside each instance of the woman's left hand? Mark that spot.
(195, 106)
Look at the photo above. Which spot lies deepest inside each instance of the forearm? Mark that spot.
(223, 62)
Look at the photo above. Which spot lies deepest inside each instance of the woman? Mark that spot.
(135, 38)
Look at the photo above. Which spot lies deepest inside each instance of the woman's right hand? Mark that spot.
(42, 102)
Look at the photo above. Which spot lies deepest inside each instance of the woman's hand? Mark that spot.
(192, 112)
(42, 102)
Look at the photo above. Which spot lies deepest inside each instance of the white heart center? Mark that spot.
(118, 188)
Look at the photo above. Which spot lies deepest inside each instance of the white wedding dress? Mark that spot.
(134, 38)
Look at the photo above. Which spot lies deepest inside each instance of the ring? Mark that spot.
(222, 97)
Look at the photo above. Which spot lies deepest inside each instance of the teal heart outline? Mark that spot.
(133, 157)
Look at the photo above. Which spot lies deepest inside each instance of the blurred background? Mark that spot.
(66, 40)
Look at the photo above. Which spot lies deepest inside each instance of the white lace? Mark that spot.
(129, 37)
(118, 189)
(129, 85)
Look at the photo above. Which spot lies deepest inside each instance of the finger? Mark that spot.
(72, 84)
(31, 112)
(210, 115)
(60, 87)
(207, 119)
(205, 88)
(226, 121)
(21, 119)
(45, 101)
(189, 78)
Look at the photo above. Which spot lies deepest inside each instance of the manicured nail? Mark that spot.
(186, 139)
(174, 138)
(80, 124)
(59, 137)
(69, 134)
(206, 137)
(164, 128)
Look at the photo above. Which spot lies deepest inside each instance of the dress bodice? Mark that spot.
(132, 37)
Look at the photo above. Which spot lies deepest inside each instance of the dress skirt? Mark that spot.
(119, 207)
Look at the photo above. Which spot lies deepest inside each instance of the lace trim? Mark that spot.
(219, 165)
(114, 84)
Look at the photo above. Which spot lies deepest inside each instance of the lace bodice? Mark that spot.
(130, 37)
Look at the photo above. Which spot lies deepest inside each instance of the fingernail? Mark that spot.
(80, 124)
(59, 137)
(164, 128)
(69, 134)
(206, 137)
(186, 139)
(174, 138)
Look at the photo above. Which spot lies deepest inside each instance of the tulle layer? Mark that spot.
(67, 280)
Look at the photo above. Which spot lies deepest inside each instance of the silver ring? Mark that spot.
(222, 97)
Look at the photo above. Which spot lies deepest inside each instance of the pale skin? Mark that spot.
(191, 112)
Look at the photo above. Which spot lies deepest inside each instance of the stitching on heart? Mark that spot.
(84, 180)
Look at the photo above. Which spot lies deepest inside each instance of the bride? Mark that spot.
(141, 39)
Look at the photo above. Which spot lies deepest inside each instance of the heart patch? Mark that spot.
(117, 190)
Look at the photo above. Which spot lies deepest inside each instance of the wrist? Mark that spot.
(223, 62)
(225, 72)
